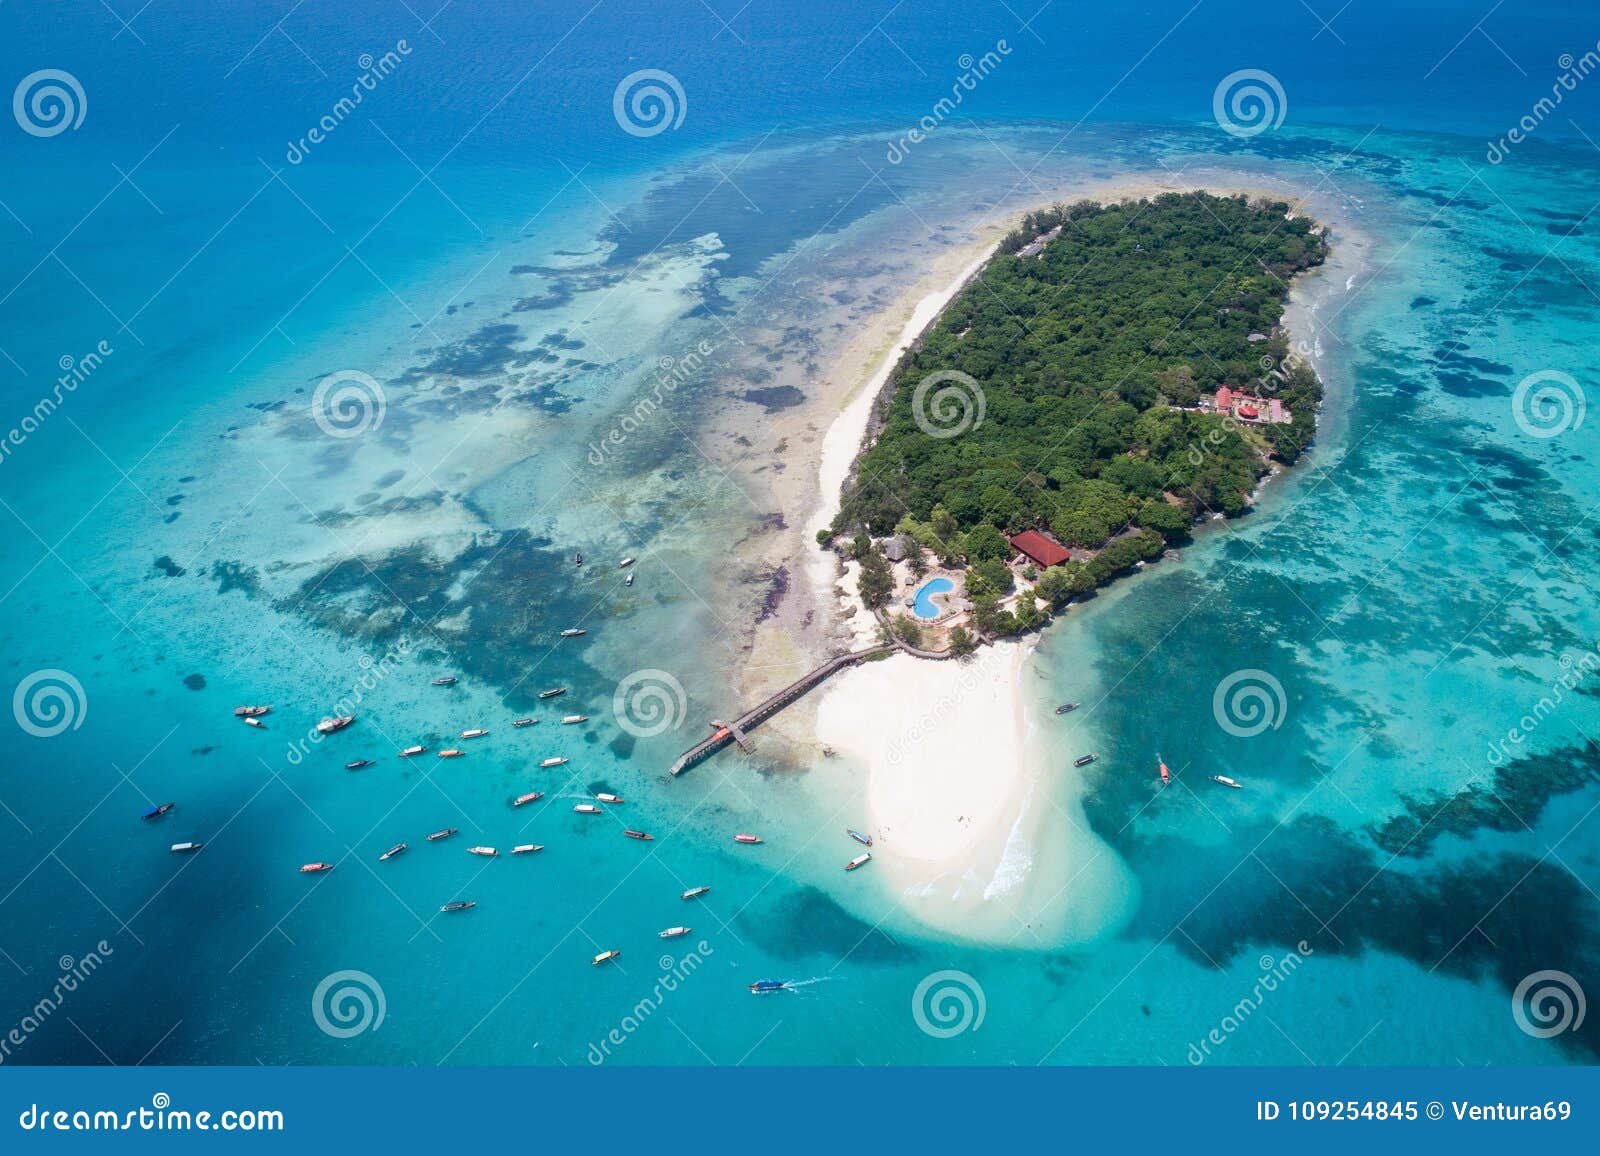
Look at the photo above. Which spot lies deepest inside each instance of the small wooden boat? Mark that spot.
(573, 632)
(451, 753)
(694, 893)
(1067, 708)
(485, 852)
(746, 839)
(1166, 775)
(605, 956)
(762, 986)
(328, 725)
(412, 752)
(574, 718)
(251, 711)
(1227, 782)
(605, 798)
(553, 692)
(255, 722)
(448, 680)
(860, 860)
(475, 733)
(459, 905)
(157, 811)
(527, 848)
(628, 581)
(360, 764)
(1085, 761)
(184, 847)
(632, 834)
(397, 849)
(554, 762)
(524, 722)
(587, 809)
(577, 558)
(315, 868)
(445, 834)
(674, 932)
(530, 797)
(625, 563)
(864, 840)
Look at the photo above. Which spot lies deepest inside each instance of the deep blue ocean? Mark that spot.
(511, 257)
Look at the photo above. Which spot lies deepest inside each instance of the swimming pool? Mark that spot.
(923, 606)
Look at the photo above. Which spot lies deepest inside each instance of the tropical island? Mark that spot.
(1112, 376)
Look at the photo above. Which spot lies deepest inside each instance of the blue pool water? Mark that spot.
(924, 606)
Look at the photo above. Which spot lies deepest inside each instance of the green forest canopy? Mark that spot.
(1083, 354)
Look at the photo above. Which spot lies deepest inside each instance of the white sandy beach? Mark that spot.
(981, 831)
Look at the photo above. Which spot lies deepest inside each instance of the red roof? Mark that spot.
(1039, 548)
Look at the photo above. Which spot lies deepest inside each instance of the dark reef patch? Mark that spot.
(775, 398)
(168, 567)
(194, 681)
(807, 922)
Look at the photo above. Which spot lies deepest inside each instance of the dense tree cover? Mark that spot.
(1083, 354)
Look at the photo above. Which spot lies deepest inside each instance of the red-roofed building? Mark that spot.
(1259, 411)
(1039, 549)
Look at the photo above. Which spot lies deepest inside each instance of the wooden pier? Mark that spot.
(735, 731)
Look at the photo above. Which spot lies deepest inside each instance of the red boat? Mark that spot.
(1166, 775)
(530, 797)
(632, 834)
(746, 839)
(314, 868)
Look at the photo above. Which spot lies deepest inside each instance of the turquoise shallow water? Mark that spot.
(185, 538)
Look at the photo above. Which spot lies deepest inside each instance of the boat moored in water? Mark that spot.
(459, 905)
(445, 834)
(628, 581)
(632, 834)
(859, 860)
(183, 847)
(552, 692)
(397, 849)
(625, 563)
(157, 811)
(527, 848)
(451, 753)
(448, 680)
(586, 809)
(315, 868)
(1166, 775)
(360, 764)
(864, 840)
(530, 797)
(1227, 782)
(554, 762)
(1085, 760)
(255, 722)
(1067, 708)
(746, 839)
(412, 752)
(606, 956)
(607, 798)
(524, 722)
(486, 852)
(474, 733)
(694, 893)
(329, 725)
(574, 718)
(251, 711)
(573, 632)
(674, 932)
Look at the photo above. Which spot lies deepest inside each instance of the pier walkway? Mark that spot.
(735, 731)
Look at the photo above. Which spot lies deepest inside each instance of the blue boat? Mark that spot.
(157, 811)
(864, 840)
(765, 985)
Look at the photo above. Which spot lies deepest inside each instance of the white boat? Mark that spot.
(527, 848)
(628, 581)
(486, 852)
(476, 733)
(574, 718)
(186, 846)
(412, 752)
(328, 725)
(586, 809)
(674, 932)
(605, 956)
(255, 722)
(609, 798)
(625, 563)
(864, 857)
(694, 893)
(573, 632)
(1227, 782)
(554, 762)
